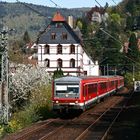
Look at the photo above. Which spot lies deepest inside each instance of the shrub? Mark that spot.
(129, 79)
(38, 108)
(41, 100)
(57, 73)
(12, 126)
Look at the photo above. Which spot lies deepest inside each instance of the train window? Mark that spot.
(112, 83)
(72, 89)
(103, 85)
(67, 90)
(92, 88)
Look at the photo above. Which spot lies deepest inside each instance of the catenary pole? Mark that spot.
(4, 97)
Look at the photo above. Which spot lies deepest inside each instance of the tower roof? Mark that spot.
(58, 17)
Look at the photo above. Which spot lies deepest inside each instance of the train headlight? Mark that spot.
(76, 102)
(67, 95)
(57, 102)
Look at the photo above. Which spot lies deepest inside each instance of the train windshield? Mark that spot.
(67, 90)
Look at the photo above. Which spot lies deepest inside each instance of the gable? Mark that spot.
(59, 28)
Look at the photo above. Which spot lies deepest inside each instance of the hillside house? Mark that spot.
(97, 14)
(60, 47)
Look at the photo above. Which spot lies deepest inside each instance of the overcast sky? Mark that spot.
(69, 3)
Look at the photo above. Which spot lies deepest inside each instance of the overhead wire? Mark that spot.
(55, 4)
(98, 3)
(107, 32)
(27, 5)
(120, 8)
(36, 11)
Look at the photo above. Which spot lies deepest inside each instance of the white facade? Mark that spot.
(82, 65)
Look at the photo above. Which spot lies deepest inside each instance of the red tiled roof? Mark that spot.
(58, 17)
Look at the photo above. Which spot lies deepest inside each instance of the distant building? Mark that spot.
(97, 14)
(60, 47)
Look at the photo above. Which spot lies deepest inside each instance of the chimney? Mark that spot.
(70, 21)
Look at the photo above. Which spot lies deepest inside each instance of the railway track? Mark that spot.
(82, 127)
(100, 129)
(76, 127)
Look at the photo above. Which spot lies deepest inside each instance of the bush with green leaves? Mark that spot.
(38, 108)
(130, 77)
(57, 73)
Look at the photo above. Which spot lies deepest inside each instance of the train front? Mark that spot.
(66, 93)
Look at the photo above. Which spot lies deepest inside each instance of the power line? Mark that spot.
(36, 11)
(107, 32)
(120, 8)
(98, 3)
(55, 4)
(111, 36)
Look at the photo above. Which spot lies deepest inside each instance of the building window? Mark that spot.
(59, 63)
(58, 25)
(35, 50)
(72, 63)
(47, 63)
(64, 36)
(47, 49)
(85, 72)
(72, 49)
(53, 36)
(59, 49)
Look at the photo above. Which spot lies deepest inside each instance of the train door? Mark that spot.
(97, 93)
(117, 83)
(85, 95)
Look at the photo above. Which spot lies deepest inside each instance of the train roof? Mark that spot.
(77, 79)
(68, 78)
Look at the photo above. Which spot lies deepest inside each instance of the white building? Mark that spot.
(97, 14)
(60, 47)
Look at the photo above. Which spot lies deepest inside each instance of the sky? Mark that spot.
(69, 3)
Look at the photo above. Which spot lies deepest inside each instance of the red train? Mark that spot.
(72, 92)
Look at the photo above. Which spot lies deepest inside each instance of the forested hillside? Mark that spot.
(22, 18)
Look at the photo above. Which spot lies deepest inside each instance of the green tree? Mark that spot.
(79, 24)
(26, 37)
(133, 7)
(57, 73)
(133, 51)
(129, 23)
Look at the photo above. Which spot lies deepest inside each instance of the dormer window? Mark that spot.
(53, 36)
(64, 36)
(58, 25)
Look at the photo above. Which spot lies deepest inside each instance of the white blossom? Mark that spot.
(25, 79)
